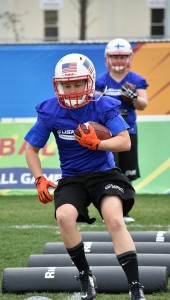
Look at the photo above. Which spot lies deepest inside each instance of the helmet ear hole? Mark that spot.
(71, 68)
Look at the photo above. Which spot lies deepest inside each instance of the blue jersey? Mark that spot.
(74, 158)
(114, 90)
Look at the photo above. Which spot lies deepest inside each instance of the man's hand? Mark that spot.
(89, 140)
(129, 91)
(42, 185)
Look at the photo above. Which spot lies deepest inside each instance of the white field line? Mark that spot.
(37, 298)
(82, 226)
(140, 118)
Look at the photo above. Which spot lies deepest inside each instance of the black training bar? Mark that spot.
(64, 260)
(62, 279)
(107, 247)
(137, 236)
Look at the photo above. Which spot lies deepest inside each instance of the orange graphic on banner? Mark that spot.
(152, 61)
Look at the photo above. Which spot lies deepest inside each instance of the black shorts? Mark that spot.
(128, 161)
(84, 189)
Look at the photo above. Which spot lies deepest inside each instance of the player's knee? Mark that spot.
(115, 223)
(65, 219)
(62, 218)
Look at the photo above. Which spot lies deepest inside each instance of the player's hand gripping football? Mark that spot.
(129, 90)
(89, 140)
(42, 185)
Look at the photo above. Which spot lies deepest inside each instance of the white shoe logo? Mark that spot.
(91, 281)
(84, 296)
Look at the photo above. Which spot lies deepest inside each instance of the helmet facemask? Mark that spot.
(76, 99)
(122, 48)
(118, 65)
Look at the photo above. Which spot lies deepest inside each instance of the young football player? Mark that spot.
(88, 169)
(121, 83)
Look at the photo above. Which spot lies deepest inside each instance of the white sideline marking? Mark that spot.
(140, 118)
(32, 226)
(153, 118)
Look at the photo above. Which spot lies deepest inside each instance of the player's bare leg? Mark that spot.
(111, 208)
(113, 217)
(66, 217)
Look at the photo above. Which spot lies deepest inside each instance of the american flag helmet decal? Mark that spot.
(88, 66)
(69, 67)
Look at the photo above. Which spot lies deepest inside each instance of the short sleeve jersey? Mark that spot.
(114, 90)
(61, 122)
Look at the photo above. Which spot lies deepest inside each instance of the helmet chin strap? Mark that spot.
(101, 94)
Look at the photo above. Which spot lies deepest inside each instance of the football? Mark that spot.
(102, 132)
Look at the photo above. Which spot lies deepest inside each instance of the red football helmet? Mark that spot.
(74, 67)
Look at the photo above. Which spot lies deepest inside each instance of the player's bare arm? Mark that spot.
(142, 100)
(42, 184)
(33, 160)
(118, 143)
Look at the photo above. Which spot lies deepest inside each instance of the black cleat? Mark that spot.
(136, 291)
(88, 285)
